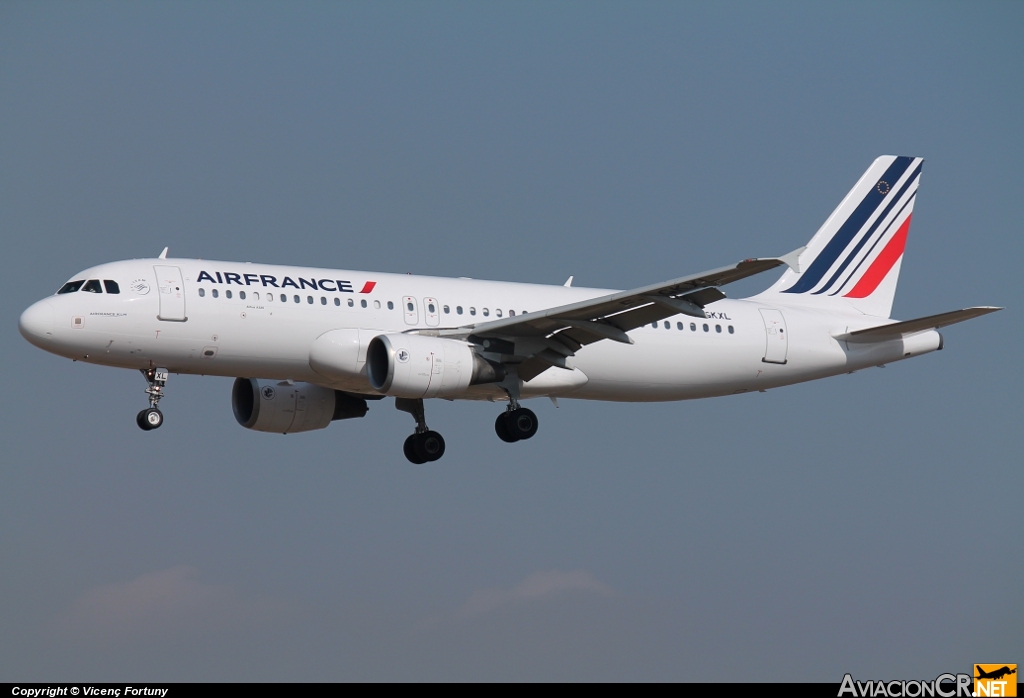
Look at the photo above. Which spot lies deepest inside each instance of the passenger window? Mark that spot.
(430, 307)
(376, 305)
(284, 298)
(458, 309)
(654, 325)
(472, 311)
(706, 328)
(227, 294)
(447, 310)
(351, 303)
(511, 313)
(216, 293)
(323, 300)
(241, 294)
(391, 306)
(296, 299)
(70, 287)
(693, 327)
(270, 296)
(498, 312)
(668, 325)
(486, 312)
(255, 295)
(362, 303)
(718, 329)
(409, 307)
(679, 325)
(309, 299)
(337, 301)
(202, 292)
(111, 286)
(731, 330)
(92, 286)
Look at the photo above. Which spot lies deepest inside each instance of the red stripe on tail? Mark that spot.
(882, 264)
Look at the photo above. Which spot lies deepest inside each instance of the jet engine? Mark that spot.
(340, 355)
(286, 408)
(418, 366)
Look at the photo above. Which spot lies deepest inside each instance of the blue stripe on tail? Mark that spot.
(875, 244)
(824, 261)
(871, 231)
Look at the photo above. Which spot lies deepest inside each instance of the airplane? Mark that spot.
(308, 346)
(995, 674)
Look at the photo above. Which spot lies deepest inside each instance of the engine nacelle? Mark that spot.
(418, 366)
(341, 355)
(284, 408)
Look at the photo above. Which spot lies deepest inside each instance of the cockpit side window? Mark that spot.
(111, 286)
(71, 286)
(92, 286)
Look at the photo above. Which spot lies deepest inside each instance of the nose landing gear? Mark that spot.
(425, 446)
(152, 418)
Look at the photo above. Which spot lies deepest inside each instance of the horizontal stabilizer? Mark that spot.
(900, 329)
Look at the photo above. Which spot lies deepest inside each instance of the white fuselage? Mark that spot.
(197, 328)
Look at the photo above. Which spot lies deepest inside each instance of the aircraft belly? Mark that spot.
(670, 367)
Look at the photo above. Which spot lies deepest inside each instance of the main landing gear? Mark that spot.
(424, 446)
(152, 418)
(516, 424)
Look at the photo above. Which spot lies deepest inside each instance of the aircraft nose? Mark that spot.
(37, 322)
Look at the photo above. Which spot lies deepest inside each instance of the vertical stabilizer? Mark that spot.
(853, 262)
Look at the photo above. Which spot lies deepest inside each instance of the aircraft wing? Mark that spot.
(536, 341)
(896, 330)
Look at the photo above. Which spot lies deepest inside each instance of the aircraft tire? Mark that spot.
(522, 423)
(429, 446)
(151, 418)
(410, 450)
(501, 428)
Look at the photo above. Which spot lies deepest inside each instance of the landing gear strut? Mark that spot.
(152, 418)
(515, 423)
(424, 446)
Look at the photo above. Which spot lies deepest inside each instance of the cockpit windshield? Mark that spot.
(71, 286)
(90, 286)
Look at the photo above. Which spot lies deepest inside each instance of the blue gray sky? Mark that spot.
(863, 523)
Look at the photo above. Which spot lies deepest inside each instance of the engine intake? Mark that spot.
(283, 408)
(417, 366)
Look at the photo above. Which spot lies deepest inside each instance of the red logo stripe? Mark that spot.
(882, 264)
(368, 286)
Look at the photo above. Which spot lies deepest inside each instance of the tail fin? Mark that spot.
(853, 262)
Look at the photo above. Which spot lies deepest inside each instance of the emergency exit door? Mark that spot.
(409, 309)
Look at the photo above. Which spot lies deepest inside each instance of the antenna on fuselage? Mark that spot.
(568, 282)
(163, 255)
